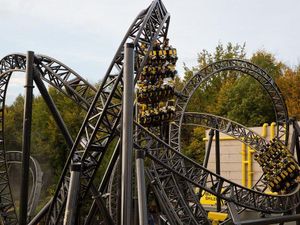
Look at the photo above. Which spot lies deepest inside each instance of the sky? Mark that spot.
(85, 34)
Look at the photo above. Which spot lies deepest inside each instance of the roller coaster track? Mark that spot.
(169, 170)
(226, 126)
(181, 205)
(49, 66)
(210, 121)
(57, 75)
(15, 157)
(103, 116)
(170, 159)
(203, 76)
(231, 128)
(246, 68)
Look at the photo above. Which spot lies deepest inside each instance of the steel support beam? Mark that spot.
(141, 187)
(104, 182)
(209, 143)
(52, 107)
(41, 214)
(72, 199)
(234, 214)
(296, 145)
(218, 166)
(61, 125)
(26, 139)
(271, 220)
(127, 135)
(101, 205)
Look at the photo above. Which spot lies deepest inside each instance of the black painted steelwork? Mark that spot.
(244, 67)
(172, 175)
(218, 164)
(170, 159)
(26, 137)
(104, 114)
(57, 75)
(231, 128)
(15, 157)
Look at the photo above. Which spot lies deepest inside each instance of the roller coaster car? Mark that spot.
(153, 94)
(153, 73)
(280, 168)
(155, 117)
(157, 57)
(293, 169)
(162, 56)
(283, 179)
(153, 55)
(172, 55)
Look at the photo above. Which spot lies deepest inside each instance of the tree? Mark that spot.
(245, 101)
(13, 125)
(289, 84)
(207, 95)
(47, 134)
(196, 146)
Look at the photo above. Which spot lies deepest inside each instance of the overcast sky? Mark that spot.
(84, 34)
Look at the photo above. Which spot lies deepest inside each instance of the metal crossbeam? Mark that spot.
(17, 62)
(173, 175)
(101, 121)
(172, 160)
(226, 126)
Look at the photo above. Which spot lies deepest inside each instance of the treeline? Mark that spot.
(228, 94)
(48, 145)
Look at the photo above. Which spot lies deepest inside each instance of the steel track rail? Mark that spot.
(226, 126)
(172, 160)
(246, 68)
(213, 69)
(15, 157)
(57, 75)
(101, 121)
(230, 128)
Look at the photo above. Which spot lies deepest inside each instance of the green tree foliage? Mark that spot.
(238, 96)
(14, 124)
(245, 101)
(207, 97)
(195, 147)
(48, 144)
(289, 84)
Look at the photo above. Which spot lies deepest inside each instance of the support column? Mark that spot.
(207, 152)
(101, 205)
(127, 135)
(72, 199)
(26, 137)
(296, 144)
(218, 162)
(52, 107)
(141, 187)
